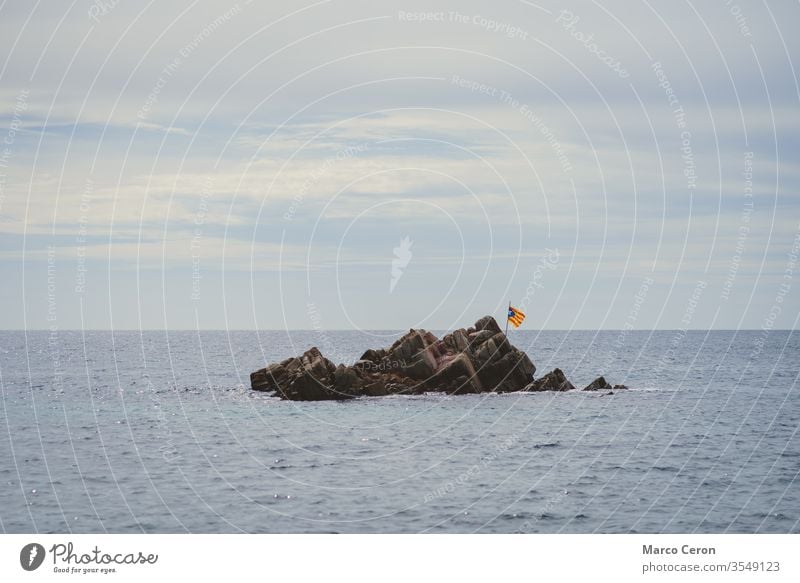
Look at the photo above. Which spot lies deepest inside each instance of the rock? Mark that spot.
(312, 377)
(346, 378)
(478, 338)
(601, 384)
(376, 389)
(555, 380)
(473, 360)
(461, 339)
(457, 341)
(478, 359)
(487, 323)
(598, 384)
(268, 379)
(456, 375)
(374, 356)
(409, 346)
(419, 369)
(513, 372)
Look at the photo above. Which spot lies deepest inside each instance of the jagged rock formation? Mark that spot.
(552, 381)
(598, 384)
(601, 384)
(473, 360)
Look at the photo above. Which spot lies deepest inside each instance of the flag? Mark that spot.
(515, 316)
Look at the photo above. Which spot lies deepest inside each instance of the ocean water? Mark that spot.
(159, 432)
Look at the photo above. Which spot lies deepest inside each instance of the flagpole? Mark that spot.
(507, 311)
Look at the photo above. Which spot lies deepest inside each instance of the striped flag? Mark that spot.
(515, 316)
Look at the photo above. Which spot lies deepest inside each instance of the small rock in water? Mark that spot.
(598, 384)
(555, 380)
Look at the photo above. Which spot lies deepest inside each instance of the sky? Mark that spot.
(388, 165)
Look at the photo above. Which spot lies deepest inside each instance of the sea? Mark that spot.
(159, 432)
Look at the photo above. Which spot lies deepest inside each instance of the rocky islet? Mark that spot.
(478, 359)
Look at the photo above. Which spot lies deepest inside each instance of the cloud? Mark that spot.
(296, 139)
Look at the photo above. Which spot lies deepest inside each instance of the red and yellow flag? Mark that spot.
(515, 316)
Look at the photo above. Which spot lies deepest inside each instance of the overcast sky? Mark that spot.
(387, 165)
